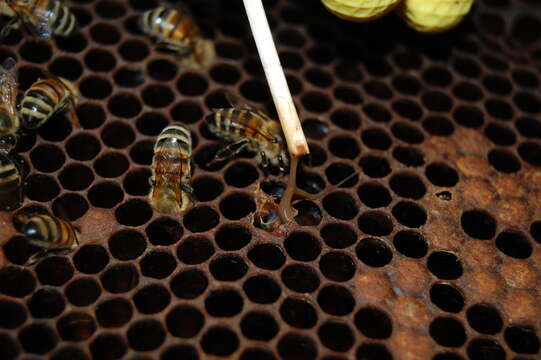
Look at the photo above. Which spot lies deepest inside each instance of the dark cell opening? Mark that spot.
(228, 268)
(316, 102)
(338, 236)
(377, 112)
(437, 101)
(439, 126)
(185, 321)
(408, 109)
(408, 186)
(110, 165)
(478, 224)
(370, 351)
(117, 135)
(83, 291)
(133, 213)
(300, 278)
(259, 326)
(108, 347)
(201, 219)
(407, 133)
(406, 84)
(444, 265)
(302, 246)
(90, 116)
(337, 266)
(146, 335)
(485, 319)
(232, 237)
(522, 339)
(219, 341)
(189, 284)
(441, 175)
(207, 188)
(128, 78)
(514, 244)
(36, 51)
(42, 188)
(72, 206)
(267, 256)
(298, 313)
(13, 314)
(105, 195)
(336, 336)
(297, 347)
(496, 108)
(448, 332)
(373, 323)
(55, 271)
(262, 289)
(136, 182)
(90, 259)
(468, 116)
(127, 244)
(529, 127)
(500, 134)
(409, 156)
(157, 96)
(225, 74)
(374, 252)
(184, 352)
(224, 303)
(152, 299)
(69, 353)
(374, 195)
(376, 139)
(378, 90)
(94, 87)
(315, 129)
(83, 147)
(192, 84)
(241, 174)
(437, 76)
(340, 205)
(344, 147)
(504, 161)
(124, 105)
(447, 297)
(195, 250)
(257, 354)
(67, 68)
(346, 119)
(76, 326)
(44, 303)
(410, 243)
(38, 339)
(309, 213)
(105, 34)
(133, 50)
(157, 264)
(336, 300)
(481, 349)
(531, 153)
(120, 278)
(8, 347)
(467, 91)
(375, 223)
(535, 231)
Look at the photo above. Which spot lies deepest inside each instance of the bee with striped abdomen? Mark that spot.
(176, 30)
(171, 192)
(9, 119)
(53, 234)
(11, 183)
(47, 97)
(249, 128)
(42, 17)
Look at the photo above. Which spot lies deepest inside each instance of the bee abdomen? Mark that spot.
(9, 174)
(175, 136)
(64, 22)
(46, 231)
(39, 103)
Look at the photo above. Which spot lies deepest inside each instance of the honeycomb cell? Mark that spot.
(164, 231)
(105, 195)
(257, 354)
(108, 346)
(409, 214)
(151, 124)
(45, 303)
(185, 321)
(407, 133)
(447, 331)
(90, 115)
(124, 105)
(95, 88)
(478, 224)
(151, 299)
(374, 252)
(444, 265)
(337, 266)
(55, 271)
(14, 314)
(201, 219)
(267, 256)
(76, 326)
(82, 291)
(37, 339)
(295, 346)
(407, 109)
(514, 244)
(410, 243)
(531, 153)
(36, 51)
(69, 353)
(336, 336)
(137, 182)
(146, 335)
(259, 326)
(9, 347)
(133, 50)
(228, 268)
(224, 303)
(189, 284)
(373, 323)
(120, 278)
(447, 297)
(336, 300)
(42, 188)
(300, 278)
(157, 96)
(484, 319)
(157, 264)
(522, 339)
(195, 250)
(262, 289)
(117, 135)
(105, 34)
(232, 237)
(180, 352)
(219, 341)
(133, 213)
(126, 77)
(340, 205)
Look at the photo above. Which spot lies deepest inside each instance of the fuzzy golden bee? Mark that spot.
(42, 17)
(434, 16)
(11, 182)
(171, 191)
(53, 234)
(9, 119)
(249, 128)
(47, 97)
(176, 30)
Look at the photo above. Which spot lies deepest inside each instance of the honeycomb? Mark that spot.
(431, 250)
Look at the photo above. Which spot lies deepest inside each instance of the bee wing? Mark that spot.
(8, 85)
(236, 102)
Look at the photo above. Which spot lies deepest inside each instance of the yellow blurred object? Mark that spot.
(360, 10)
(433, 16)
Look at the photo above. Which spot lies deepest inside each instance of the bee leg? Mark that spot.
(74, 118)
(36, 257)
(189, 190)
(229, 151)
(12, 24)
(282, 166)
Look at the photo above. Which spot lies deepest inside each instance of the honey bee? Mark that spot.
(9, 119)
(47, 97)
(249, 128)
(171, 192)
(53, 234)
(42, 17)
(177, 31)
(11, 181)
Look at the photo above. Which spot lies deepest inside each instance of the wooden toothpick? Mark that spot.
(296, 142)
